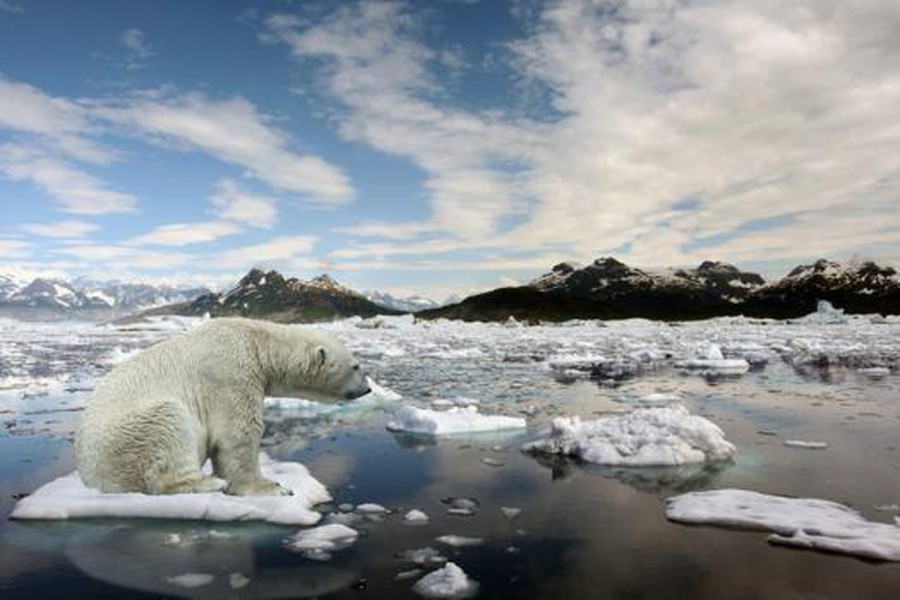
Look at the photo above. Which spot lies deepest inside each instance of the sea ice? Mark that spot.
(423, 556)
(191, 580)
(645, 437)
(800, 522)
(68, 498)
(319, 542)
(709, 357)
(455, 420)
(459, 541)
(805, 444)
(415, 517)
(450, 581)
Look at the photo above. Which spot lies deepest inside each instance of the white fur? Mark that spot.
(155, 419)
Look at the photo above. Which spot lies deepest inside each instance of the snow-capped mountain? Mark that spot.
(610, 289)
(406, 304)
(269, 295)
(45, 297)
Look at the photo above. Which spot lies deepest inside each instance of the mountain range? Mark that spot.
(610, 289)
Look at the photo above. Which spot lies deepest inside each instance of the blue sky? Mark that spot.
(445, 146)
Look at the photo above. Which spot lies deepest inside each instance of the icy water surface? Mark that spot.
(580, 531)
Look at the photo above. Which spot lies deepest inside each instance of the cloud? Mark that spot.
(183, 234)
(11, 7)
(236, 132)
(279, 249)
(61, 229)
(754, 111)
(116, 258)
(14, 248)
(234, 204)
(137, 47)
(76, 191)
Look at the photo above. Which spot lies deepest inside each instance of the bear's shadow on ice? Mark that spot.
(194, 560)
(655, 480)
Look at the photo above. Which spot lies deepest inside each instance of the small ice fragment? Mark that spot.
(345, 507)
(510, 512)
(370, 508)
(492, 462)
(461, 512)
(453, 421)
(423, 556)
(447, 582)
(660, 398)
(805, 444)
(237, 580)
(404, 575)
(320, 541)
(888, 507)
(191, 580)
(458, 541)
(415, 517)
(442, 403)
(874, 371)
(512, 549)
(467, 503)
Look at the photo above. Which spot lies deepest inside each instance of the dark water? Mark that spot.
(583, 531)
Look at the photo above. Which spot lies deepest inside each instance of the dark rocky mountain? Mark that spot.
(268, 295)
(610, 289)
(44, 298)
(855, 287)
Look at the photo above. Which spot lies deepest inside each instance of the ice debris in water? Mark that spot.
(415, 517)
(510, 512)
(805, 444)
(68, 498)
(370, 508)
(459, 541)
(709, 357)
(455, 420)
(191, 580)
(799, 522)
(450, 581)
(319, 542)
(644, 437)
(423, 556)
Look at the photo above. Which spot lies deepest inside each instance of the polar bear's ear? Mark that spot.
(321, 355)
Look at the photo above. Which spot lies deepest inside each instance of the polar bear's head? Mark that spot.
(321, 368)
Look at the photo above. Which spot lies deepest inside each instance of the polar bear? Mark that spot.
(155, 419)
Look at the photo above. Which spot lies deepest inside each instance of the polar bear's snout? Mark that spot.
(354, 394)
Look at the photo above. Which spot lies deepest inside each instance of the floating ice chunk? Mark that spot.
(660, 398)
(800, 522)
(191, 580)
(805, 444)
(874, 371)
(370, 508)
(455, 420)
(319, 542)
(415, 517)
(379, 392)
(645, 437)
(423, 556)
(237, 581)
(68, 498)
(709, 357)
(510, 512)
(447, 582)
(459, 541)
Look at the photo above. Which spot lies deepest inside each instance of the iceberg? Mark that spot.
(665, 436)
(68, 498)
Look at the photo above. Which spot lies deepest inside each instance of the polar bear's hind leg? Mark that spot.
(166, 460)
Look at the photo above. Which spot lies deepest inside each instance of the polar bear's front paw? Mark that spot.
(259, 487)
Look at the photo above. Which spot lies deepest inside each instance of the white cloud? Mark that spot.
(279, 249)
(393, 231)
(137, 47)
(61, 229)
(754, 111)
(76, 191)
(124, 258)
(183, 234)
(14, 248)
(234, 204)
(236, 132)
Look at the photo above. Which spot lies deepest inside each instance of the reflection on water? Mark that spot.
(583, 530)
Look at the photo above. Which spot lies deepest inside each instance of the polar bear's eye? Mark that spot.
(356, 367)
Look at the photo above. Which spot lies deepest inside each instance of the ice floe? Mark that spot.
(460, 541)
(68, 498)
(319, 542)
(450, 581)
(415, 517)
(709, 357)
(191, 580)
(644, 437)
(452, 421)
(799, 522)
